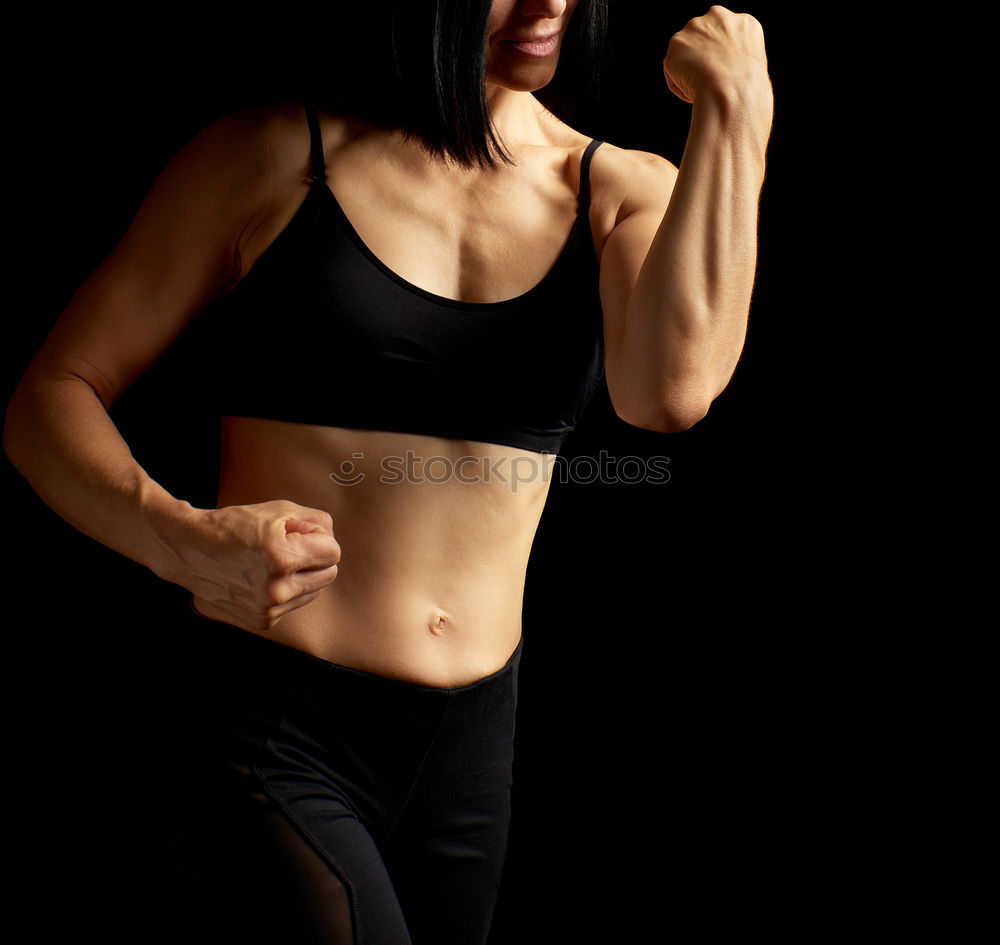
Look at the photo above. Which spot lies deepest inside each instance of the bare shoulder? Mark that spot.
(255, 143)
(627, 185)
(279, 132)
(185, 246)
(622, 181)
(258, 162)
(223, 175)
(630, 180)
(257, 151)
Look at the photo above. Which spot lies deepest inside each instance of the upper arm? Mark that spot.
(638, 185)
(180, 251)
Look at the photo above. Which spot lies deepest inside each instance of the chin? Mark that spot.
(522, 80)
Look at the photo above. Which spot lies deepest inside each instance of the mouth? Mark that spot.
(538, 46)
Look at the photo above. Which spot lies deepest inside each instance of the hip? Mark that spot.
(258, 703)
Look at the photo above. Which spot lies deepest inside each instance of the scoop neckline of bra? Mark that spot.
(348, 227)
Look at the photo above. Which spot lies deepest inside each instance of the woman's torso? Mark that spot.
(435, 531)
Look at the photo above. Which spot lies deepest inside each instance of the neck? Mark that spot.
(515, 115)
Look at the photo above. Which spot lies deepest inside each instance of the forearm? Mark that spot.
(61, 439)
(686, 317)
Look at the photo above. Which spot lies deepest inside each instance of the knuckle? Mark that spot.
(274, 595)
(277, 561)
(264, 597)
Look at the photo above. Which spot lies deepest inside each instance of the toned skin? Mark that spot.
(416, 580)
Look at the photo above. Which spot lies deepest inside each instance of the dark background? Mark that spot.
(674, 752)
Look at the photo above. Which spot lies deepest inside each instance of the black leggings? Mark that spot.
(335, 807)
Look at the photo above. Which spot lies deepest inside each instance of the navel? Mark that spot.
(439, 623)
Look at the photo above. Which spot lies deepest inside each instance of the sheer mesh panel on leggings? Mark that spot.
(251, 877)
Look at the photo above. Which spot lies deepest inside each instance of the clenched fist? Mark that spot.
(249, 565)
(720, 52)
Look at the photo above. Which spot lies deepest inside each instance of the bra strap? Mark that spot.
(317, 168)
(583, 201)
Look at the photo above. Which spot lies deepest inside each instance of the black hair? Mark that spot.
(419, 67)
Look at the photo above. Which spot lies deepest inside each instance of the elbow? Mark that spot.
(663, 415)
(663, 403)
(13, 438)
(22, 422)
(667, 421)
(680, 418)
(8, 443)
(9, 437)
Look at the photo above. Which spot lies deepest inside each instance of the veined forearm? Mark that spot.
(686, 317)
(61, 439)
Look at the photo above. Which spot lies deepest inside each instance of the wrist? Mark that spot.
(737, 119)
(170, 523)
(738, 98)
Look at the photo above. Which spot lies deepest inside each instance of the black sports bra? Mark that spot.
(320, 331)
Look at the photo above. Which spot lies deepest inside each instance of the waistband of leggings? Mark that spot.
(231, 642)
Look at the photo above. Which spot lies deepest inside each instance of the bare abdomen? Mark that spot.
(434, 535)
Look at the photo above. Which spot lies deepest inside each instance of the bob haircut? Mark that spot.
(425, 73)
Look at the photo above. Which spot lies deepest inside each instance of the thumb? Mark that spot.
(308, 521)
(313, 542)
(677, 90)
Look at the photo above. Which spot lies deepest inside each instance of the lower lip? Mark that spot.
(539, 50)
